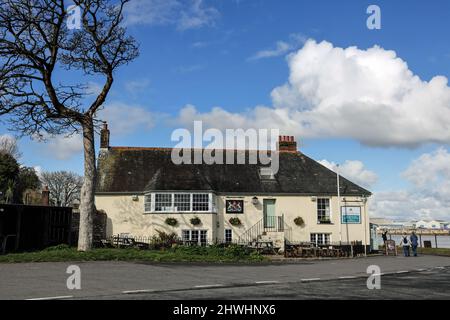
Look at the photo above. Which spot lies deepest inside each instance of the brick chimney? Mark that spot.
(104, 136)
(45, 196)
(286, 144)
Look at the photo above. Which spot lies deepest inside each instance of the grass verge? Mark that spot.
(435, 251)
(177, 254)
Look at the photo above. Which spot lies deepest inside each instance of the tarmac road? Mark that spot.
(414, 277)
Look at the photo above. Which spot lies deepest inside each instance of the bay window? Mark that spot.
(178, 202)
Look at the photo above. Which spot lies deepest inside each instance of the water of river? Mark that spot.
(443, 241)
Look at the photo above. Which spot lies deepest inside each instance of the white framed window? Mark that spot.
(320, 238)
(194, 235)
(199, 237)
(163, 202)
(179, 202)
(323, 210)
(200, 202)
(203, 237)
(182, 202)
(228, 235)
(148, 203)
(186, 235)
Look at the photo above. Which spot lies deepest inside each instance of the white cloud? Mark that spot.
(199, 44)
(197, 15)
(189, 69)
(124, 119)
(429, 195)
(368, 95)
(281, 47)
(429, 169)
(63, 147)
(136, 86)
(183, 14)
(38, 170)
(93, 88)
(354, 171)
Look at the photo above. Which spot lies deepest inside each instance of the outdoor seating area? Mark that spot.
(264, 247)
(123, 242)
(311, 250)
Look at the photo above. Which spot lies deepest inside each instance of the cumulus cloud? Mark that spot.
(368, 95)
(353, 170)
(63, 147)
(429, 194)
(136, 86)
(281, 47)
(183, 14)
(125, 119)
(93, 88)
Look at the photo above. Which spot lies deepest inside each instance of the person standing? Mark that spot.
(405, 244)
(384, 236)
(414, 243)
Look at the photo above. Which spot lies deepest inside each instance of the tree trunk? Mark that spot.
(87, 207)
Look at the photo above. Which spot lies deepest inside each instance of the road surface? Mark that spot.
(414, 277)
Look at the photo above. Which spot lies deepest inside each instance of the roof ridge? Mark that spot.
(181, 148)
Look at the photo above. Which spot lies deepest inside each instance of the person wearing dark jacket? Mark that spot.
(414, 243)
(384, 236)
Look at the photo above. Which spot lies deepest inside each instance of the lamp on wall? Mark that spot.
(255, 200)
(135, 197)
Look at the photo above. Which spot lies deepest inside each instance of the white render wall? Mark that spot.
(126, 215)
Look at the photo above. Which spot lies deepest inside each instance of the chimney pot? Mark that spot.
(45, 196)
(286, 144)
(104, 136)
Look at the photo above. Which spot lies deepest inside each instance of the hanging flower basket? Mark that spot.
(235, 221)
(171, 222)
(195, 221)
(299, 221)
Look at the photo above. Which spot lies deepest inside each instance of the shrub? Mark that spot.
(171, 222)
(299, 221)
(235, 221)
(195, 221)
(164, 240)
(236, 251)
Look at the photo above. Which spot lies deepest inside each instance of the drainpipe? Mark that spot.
(339, 205)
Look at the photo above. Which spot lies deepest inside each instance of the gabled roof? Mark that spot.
(137, 170)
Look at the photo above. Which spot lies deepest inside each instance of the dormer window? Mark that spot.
(266, 173)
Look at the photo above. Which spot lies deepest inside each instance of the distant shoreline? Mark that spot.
(424, 232)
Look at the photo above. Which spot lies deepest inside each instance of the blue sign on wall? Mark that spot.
(350, 215)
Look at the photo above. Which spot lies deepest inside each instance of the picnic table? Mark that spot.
(309, 250)
(265, 247)
(125, 242)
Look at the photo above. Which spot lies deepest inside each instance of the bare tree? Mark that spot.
(64, 187)
(9, 146)
(40, 57)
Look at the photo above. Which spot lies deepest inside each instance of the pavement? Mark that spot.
(401, 278)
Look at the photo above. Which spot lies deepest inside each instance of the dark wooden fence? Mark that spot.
(25, 227)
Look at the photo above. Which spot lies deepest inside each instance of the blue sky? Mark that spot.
(233, 53)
